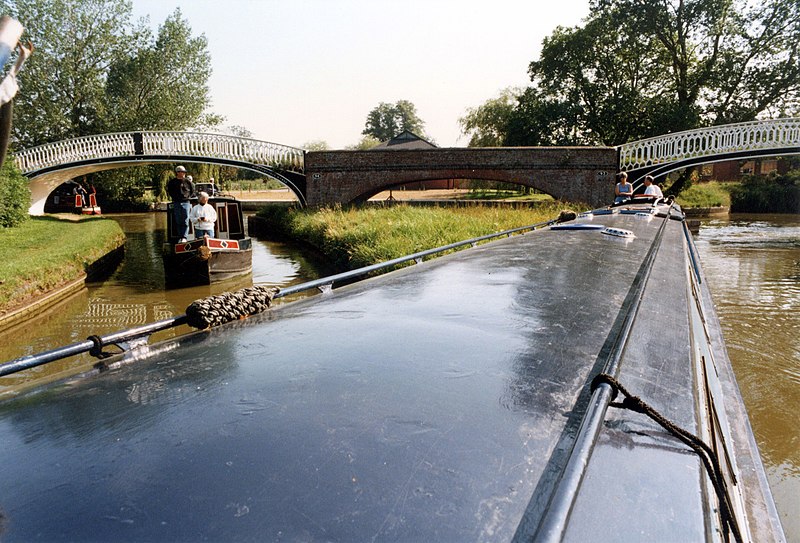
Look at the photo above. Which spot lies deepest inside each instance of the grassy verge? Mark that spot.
(359, 236)
(500, 194)
(710, 194)
(45, 253)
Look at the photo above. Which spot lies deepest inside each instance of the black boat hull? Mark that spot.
(201, 263)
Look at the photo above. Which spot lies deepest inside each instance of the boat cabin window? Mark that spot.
(222, 219)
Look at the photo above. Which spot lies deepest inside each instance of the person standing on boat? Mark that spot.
(180, 190)
(203, 217)
(650, 188)
(624, 190)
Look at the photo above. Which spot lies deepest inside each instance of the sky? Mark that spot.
(296, 71)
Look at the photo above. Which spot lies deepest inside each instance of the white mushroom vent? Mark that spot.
(618, 232)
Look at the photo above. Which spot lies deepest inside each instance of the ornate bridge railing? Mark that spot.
(156, 144)
(727, 139)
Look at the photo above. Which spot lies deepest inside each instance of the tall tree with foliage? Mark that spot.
(387, 120)
(487, 124)
(640, 68)
(76, 42)
(162, 85)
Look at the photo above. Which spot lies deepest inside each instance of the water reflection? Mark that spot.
(752, 264)
(135, 295)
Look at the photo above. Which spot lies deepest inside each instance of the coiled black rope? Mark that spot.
(706, 454)
(229, 306)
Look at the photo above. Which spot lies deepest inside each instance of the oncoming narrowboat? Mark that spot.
(196, 261)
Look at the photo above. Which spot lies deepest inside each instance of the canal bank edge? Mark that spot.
(705, 212)
(96, 270)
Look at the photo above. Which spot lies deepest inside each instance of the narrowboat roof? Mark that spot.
(440, 402)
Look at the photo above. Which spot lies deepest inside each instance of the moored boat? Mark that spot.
(206, 260)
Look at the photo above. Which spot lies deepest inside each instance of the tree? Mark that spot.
(316, 145)
(240, 131)
(640, 68)
(387, 120)
(76, 41)
(366, 142)
(162, 85)
(487, 124)
(15, 196)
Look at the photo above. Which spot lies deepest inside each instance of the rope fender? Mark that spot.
(229, 306)
(706, 453)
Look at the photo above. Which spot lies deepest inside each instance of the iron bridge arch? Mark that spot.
(661, 155)
(51, 164)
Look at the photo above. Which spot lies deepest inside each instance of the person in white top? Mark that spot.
(650, 188)
(203, 217)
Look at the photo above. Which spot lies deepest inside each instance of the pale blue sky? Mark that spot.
(292, 71)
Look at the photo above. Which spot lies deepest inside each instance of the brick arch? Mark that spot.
(569, 173)
(500, 176)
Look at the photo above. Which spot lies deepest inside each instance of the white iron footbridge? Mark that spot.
(51, 164)
(663, 154)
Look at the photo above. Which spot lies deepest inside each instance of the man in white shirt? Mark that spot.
(203, 217)
(650, 188)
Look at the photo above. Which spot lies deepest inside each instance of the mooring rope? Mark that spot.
(229, 306)
(706, 453)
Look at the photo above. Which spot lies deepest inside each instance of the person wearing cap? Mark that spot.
(203, 217)
(650, 188)
(181, 189)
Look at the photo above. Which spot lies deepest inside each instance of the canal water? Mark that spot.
(134, 295)
(752, 264)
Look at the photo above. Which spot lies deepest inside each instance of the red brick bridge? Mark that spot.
(578, 174)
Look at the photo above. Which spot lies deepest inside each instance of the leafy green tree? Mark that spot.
(240, 131)
(163, 85)
(366, 142)
(316, 145)
(387, 120)
(15, 196)
(639, 68)
(487, 124)
(76, 42)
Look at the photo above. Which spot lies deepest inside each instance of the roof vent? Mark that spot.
(618, 232)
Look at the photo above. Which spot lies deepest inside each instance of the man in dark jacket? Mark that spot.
(180, 190)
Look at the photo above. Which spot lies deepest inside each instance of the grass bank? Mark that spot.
(352, 237)
(44, 253)
(710, 194)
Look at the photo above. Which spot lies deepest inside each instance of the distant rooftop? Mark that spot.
(405, 140)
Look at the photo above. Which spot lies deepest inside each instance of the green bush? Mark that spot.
(770, 194)
(15, 196)
(710, 194)
(125, 189)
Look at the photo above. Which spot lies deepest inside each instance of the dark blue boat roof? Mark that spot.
(435, 403)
